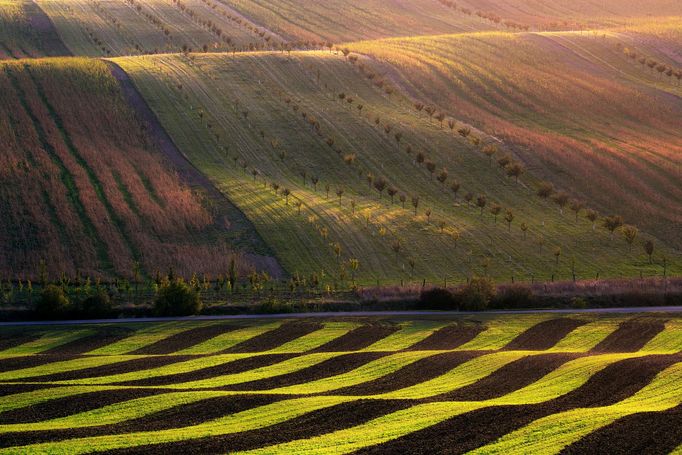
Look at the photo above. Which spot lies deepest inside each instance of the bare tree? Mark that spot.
(629, 234)
(402, 198)
(545, 190)
(427, 212)
(315, 179)
(495, 209)
(524, 229)
(392, 191)
(380, 185)
(442, 176)
(490, 150)
(611, 223)
(339, 193)
(286, 192)
(560, 199)
(592, 215)
(468, 198)
(515, 169)
(431, 167)
(481, 201)
(509, 217)
(454, 187)
(649, 249)
(415, 203)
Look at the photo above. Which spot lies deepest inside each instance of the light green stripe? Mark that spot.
(229, 339)
(50, 340)
(409, 334)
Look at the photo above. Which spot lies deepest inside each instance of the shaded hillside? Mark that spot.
(26, 31)
(579, 111)
(84, 188)
(308, 148)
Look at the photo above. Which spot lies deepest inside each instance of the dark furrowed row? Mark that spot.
(126, 366)
(331, 367)
(630, 336)
(357, 339)
(233, 367)
(471, 430)
(103, 337)
(175, 417)
(643, 433)
(29, 361)
(412, 374)
(309, 425)
(449, 337)
(10, 340)
(544, 335)
(511, 377)
(185, 339)
(11, 389)
(277, 337)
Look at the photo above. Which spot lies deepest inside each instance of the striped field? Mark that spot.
(489, 384)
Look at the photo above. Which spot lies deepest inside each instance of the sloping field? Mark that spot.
(25, 31)
(308, 147)
(84, 188)
(325, 386)
(576, 109)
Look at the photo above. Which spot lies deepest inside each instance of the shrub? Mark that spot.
(476, 295)
(177, 298)
(438, 299)
(514, 296)
(96, 306)
(53, 303)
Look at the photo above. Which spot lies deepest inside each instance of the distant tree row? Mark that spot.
(653, 65)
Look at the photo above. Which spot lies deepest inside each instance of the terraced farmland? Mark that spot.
(573, 383)
(250, 121)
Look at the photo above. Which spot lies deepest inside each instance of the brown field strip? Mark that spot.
(10, 340)
(630, 336)
(357, 339)
(449, 337)
(11, 389)
(277, 337)
(544, 335)
(28, 361)
(331, 367)
(103, 337)
(184, 340)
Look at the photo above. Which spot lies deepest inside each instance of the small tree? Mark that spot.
(557, 254)
(442, 176)
(339, 193)
(454, 187)
(560, 199)
(415, 204)
(298, 205)
(315, 179)
(481, 201)
(380, 185)
(576, 206)
(490, 150)
(495, 209)
(611, 223)
(468, 197)
(524, 229)
(629, 234)
(503, 161)
(509, 217)
(392, 191)
(592, 215)
(403, 198)
(395, 246)
(286, 193)
(649, 249)
(545, 190)
(431, 167)
(427, 212)
(515, 170)
(177, 298)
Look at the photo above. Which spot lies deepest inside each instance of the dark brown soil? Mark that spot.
(630, 336)
(358, 338)
(543, 335)
(10, 340)
(449, 337)
(415, 373)
(11, 389)
(510, 377)
(111, 369)
(184, 340)
(309, 425)
(644, 433)
(103, 337)
(236, 366)
(175, 417)
(331, 367)
(477, 428)
(74, 404)
(277, 337)
(28, 361)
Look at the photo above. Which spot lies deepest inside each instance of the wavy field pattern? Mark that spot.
(330, 386)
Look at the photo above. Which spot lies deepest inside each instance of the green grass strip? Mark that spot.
(367, 372)
(501, 330)
(251, 419)
(669, 341)
(409, 334)
(552, 433)
(174, 368)
(24, 399)
(148, 334)
(460, 376)
(61, 367)
(50, 340)
(329, 332)
(115, 413)
(229, 339)
(277, 369)
(587, 336)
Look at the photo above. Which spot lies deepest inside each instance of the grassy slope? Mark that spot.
(25, 32)
(573, 104)
(85, 189)
(195, 96)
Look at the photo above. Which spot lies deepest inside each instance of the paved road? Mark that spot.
(346, 314)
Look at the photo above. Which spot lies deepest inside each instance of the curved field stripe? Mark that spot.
(449, 337)
(330, 332)
(544, 335)
(409, 334)
(553, 433)
(280, 368)
(146, 335)
(368, 372)
(631, 336)
(24, 399)
(175, 368)
(115, 413)
(500, 332)
(587, 336)
(60, 367)
(272, 339)
(10, 340)
(242, 421)
(667, 341)
(460, 376)
(359, 338)
(229, 339)
(376, 431)
(49, 340)
(185, 339)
